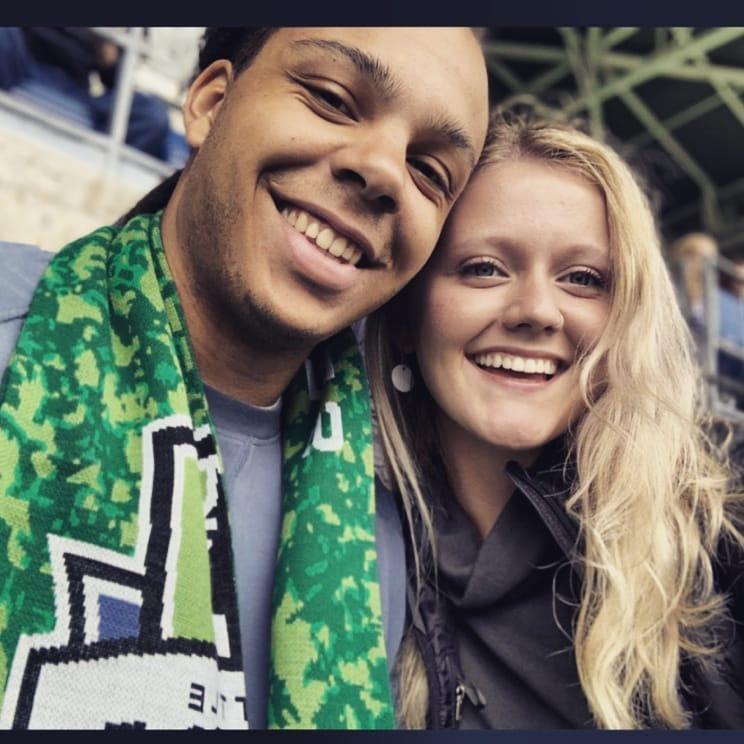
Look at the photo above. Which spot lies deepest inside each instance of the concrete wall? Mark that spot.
(50, 196)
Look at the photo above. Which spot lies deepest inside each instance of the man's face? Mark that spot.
(325, 171)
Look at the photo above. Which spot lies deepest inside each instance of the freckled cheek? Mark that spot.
(585, 327)
(433, 335)
(438, 347)
(444, 319)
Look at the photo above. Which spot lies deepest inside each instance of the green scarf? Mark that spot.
(117, 604)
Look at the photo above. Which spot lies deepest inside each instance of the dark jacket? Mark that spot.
(716, 697)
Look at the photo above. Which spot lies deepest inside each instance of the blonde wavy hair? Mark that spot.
(652, 496)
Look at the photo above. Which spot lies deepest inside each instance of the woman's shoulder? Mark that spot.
(729, 572)
(722, 688)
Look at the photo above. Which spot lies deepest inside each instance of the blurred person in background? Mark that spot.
(689, 256)
(731, 324)
(65, 59)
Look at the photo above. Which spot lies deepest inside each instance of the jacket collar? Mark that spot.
(547, 485)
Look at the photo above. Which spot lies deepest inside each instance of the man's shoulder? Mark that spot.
(21, 267)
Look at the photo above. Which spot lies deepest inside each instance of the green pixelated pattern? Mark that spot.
(103, 357)
(328, 665)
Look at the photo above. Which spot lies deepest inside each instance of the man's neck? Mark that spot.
(226, 358)
(252, 376)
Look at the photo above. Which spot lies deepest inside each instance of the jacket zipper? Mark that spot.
(459, 698)
(467, 690)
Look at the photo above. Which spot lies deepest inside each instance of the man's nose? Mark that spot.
(532, 306)
(375, 166)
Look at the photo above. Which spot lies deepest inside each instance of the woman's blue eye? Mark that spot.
(482, 269)
(586, 279)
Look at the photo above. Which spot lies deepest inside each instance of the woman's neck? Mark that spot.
(477, 472)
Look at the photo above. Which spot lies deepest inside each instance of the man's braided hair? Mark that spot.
(240, 46)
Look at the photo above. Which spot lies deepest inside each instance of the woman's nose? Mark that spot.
(532, 305)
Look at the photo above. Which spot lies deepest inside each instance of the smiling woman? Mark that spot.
(553, 462)
(525, 259)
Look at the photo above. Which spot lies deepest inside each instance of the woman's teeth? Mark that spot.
(323, 235)
(527, 365)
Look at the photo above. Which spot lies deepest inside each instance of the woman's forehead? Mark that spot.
(527, 200)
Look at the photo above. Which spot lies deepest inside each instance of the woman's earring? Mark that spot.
(402, 377)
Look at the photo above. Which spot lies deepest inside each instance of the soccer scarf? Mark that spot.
(117, 598)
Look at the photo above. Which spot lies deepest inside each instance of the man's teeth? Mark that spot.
(323, 235)
(516, 363)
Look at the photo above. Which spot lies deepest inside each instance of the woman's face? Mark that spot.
(517, 288)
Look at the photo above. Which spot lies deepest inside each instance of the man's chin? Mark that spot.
(273, 332)
(294, 336)
(280, 321)
(306, 320)
(279, 331)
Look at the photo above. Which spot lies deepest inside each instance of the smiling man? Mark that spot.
(365, 138)
(187, 501)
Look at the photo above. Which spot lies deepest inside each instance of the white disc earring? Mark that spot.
(402, 377)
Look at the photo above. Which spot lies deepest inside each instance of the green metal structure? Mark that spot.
(669, 98)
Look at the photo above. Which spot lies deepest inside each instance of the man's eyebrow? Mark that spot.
(371, 67)
(384, 80)
(449, 129)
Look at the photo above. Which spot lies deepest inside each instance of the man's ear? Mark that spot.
(204, 99)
